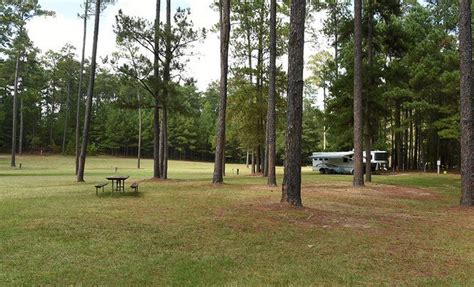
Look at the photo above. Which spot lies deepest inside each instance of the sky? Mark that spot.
(66, 27)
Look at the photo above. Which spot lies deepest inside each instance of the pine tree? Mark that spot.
(467, 133)
(81, 78)
(90, 95)
(224, 11)
(271, 113)
(358, 161)
(292, 178)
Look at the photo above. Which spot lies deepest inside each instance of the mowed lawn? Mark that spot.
(405, 229)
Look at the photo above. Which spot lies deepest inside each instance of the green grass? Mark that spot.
(187, 232)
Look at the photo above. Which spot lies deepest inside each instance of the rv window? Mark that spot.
(345, 159)
(380, 156)
(326, 159)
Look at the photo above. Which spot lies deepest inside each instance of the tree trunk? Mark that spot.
(139, 151)
(405, 144)
(79, 93)
(467, 133)
(271, 111)
(90, 94)
(358, 165)
(259, 156)
(368, 127)
(292, 190)
(249, 51)
(66, 118)
(336, 40)
(398, 141)
(20, 136)
(253, 163)
(224, 8)
(417, 141)
(247, 159)
(167, 83)
(161, 143)
(410, 145)
(156, 87)
(324, 114)
(265, 154)
(253, 170)
(14, 115)
(164, 143)
(260, 122)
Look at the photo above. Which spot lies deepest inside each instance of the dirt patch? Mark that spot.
(266, 211)
(374, 190)
(160, 180)
(356, 208)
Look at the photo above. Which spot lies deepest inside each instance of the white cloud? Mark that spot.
(52, 33)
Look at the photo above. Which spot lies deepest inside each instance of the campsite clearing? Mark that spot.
(403, 229)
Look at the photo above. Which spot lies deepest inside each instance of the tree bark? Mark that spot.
(262, 156)
(139, 150)
(336, 39)
(358, 180)
(156, 87)
(167, 83)
(224, 8)
(164, 143)
(292, 187)
(398, 135)
(265, 154)
(247, 159)
(410, 145)
(81, 77)
(259, 156)
(467, 133)
(368, 128)
(90, 95)
(253, 170)
(417, 141)
(14, 115)
(405, 144)
(20, 136)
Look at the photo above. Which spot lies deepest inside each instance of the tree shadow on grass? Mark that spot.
(127, 194)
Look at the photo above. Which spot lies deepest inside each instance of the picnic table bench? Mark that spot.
(134, 186)
(100, 185)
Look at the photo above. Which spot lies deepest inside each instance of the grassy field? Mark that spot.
(404, 229)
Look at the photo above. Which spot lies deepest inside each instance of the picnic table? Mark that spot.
(118, 182)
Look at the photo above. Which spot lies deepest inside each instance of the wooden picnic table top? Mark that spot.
(117, 177)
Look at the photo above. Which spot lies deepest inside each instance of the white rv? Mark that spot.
(343, 162)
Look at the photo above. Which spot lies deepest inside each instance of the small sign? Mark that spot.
(438, 162)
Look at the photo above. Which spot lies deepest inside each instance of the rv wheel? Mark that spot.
(352, 172)
(322, 171)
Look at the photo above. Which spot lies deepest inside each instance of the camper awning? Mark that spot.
(332, 155)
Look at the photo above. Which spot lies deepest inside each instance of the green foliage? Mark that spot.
(415, 73)
(313, 129)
